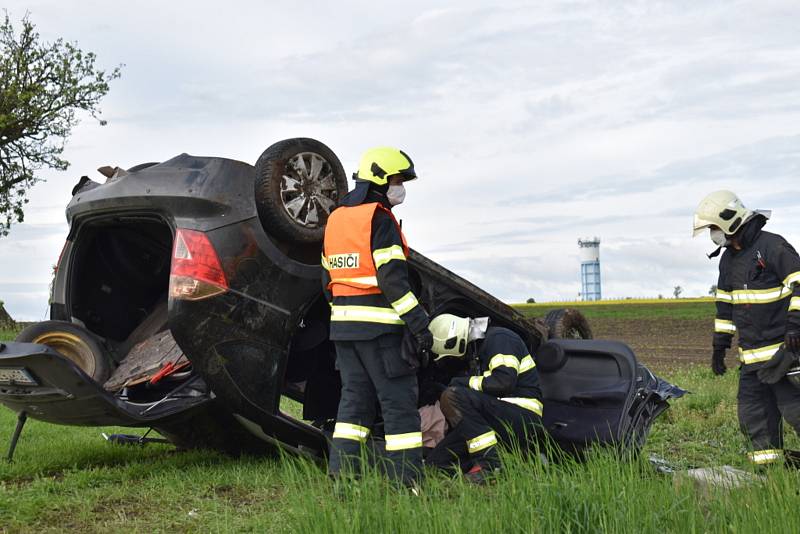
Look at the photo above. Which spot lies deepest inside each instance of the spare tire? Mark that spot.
(74, 343)
(299, 182)
(567, 323)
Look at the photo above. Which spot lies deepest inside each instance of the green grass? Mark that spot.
(656, 309)
(69, 478)
(8, 334)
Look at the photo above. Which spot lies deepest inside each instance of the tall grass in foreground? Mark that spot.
(67, 478)
(603, 495)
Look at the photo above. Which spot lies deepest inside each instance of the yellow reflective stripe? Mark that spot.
(508, 360)
(526, 364)
(383, 256)
(533, 405)
(324, 263)
(724, 327)
(761, 354)
(723, 296)
(405, 304)
(793, 278)
(484, 441)
(367, 314)
(370, 281)
(766, 456)
(350, 431)
(760, 296)
(794, 304)
(476, 383)
(400, 442)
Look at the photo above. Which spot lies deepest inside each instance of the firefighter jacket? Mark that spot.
(365, 275)
(758, 293)
(508, 371)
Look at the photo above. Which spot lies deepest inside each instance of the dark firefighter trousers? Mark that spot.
(483, 422)
(373, 373)
(760, 409)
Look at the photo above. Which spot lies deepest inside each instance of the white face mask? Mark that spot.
(477, 328)
(396, 194)
(719, 238)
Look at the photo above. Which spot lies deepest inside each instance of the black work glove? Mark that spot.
(776, 367)
(424, 340)
(415, 348)
(409, 350)
(718, 362)
(792, 341)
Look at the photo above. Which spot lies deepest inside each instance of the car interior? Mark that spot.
(119, 293)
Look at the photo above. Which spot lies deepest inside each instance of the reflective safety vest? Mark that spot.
(348, 250)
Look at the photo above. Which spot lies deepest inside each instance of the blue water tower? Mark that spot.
(590, 268)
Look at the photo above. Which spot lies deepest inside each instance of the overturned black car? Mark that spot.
(187, 299)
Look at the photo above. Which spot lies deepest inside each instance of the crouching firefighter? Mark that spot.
(758, 296)
(365, 278)
(499, 404)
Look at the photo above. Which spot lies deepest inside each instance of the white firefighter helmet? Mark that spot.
(450, 333)
(722, 209)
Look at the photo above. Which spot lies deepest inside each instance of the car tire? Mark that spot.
(567, 323)
(74, 343)
(299, 182)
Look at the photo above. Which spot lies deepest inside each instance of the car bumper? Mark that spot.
(39, 381)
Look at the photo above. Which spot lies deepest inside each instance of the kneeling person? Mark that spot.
(499, 405)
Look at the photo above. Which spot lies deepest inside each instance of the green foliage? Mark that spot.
(68, 478)
(42, 86)
(6, 322)
(7, 334)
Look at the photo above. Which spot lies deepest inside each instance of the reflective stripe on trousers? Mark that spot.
(482, 442)
(400, 442)
(350, 431)
(767, 456)
(533, 405)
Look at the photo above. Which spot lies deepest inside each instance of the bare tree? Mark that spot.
(677, 291)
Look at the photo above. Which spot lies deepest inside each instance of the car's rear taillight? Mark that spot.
(196, 270)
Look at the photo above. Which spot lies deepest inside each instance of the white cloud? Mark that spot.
(532, 124)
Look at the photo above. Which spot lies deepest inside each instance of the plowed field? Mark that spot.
(663, 334)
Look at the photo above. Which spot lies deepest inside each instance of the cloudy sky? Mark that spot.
(531, 123)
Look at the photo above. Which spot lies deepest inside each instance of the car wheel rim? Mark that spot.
(71, 347)
(308, 189)
(574, 333)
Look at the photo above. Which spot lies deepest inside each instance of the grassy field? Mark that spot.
(70, 478)
(629, 309)
(8, 333)
(664, 333)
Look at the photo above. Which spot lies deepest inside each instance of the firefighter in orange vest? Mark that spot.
(365, 277)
